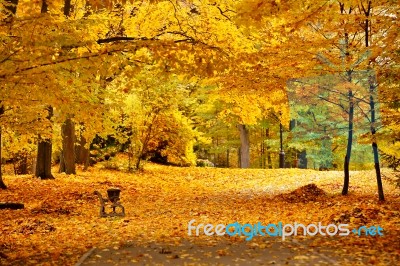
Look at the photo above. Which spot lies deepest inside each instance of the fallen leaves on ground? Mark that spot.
(61, 220)
(305, 193)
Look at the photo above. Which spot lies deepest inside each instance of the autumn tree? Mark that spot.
(358, 53)
(152, 119)
(10, 8)
(67, 156)
(334, 37)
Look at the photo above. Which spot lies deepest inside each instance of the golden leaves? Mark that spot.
(60, 219)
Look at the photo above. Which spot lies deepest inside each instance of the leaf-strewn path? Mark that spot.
(60, 221)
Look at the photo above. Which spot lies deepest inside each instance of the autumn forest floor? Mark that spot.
(60, 221)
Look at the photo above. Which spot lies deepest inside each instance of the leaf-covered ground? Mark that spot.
(61, 220)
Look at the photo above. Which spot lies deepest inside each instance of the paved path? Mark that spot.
(268, 252)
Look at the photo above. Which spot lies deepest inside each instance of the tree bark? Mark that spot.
(9, 12)
(67, 156)
(2, 185)
(244, 146)
(227, 158)
(45, 7)
(372, 92)
(67, 7)
(43, 160)
(349, 145)
(67, 162)
(268, 148)
(346, 181)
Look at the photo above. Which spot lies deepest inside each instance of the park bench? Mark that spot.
(112, 202)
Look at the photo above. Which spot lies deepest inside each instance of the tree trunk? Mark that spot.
(2, 185)
(268, 148)
(262, 150)
(67, 162)
(349, 145)
(227, 158)
(67, 7)
(345, 56)
(43, 160)
(244, 147)
(238, 154)
(346, 167)
(374, 143)
(9, 13)
(372, 93)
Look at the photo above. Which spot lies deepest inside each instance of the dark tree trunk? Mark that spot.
(227, 158)
(372, 94)
(262, 150)
(67, 7)
(344, 56)
(43, 160)
(268, 148)
(349, 145)
(244, 147)
(2, 185)
(67, 162)
(373, 134)
(45, 7)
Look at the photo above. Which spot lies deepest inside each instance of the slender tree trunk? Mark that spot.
(346, 167)
(43, 160)
(375, 148)
(244, 147)
(261, 151)
(227, 158)
(67, 162)
(2, 185)
(269, 159)
(372, 93)
(349, 145)
(238, 154)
